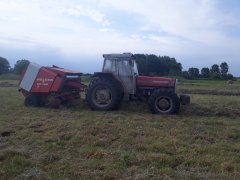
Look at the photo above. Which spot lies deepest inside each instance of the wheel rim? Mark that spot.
(102, 96)
(163, 104)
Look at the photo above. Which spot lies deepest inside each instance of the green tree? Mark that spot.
(20, 66)
(215, 72)
(193, 72)
(205, 72)
(186, 75)
(229, 77)
(4, 65)
(224, 68)
(173, 67)
(157, 65)
(215, 69)
(141, 63)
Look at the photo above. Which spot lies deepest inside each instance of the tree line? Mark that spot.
(215, 72)
(17, 69)
(167, 66)
(158, 65)
(150, 65)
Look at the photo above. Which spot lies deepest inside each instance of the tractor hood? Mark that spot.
(148, 81)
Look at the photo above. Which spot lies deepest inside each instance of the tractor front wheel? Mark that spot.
(103, 95)
(163, 102)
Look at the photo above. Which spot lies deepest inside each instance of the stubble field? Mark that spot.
(201, 142)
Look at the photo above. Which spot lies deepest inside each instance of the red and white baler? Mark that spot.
(49, 86)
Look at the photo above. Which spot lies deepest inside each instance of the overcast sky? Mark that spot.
(75, 33)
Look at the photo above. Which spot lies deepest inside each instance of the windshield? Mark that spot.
(109, 66)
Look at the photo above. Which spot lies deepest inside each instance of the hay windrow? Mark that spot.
(209, 92)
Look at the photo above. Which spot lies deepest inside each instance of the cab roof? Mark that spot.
(120, 56)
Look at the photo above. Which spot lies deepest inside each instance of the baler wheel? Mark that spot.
(164, 102)
(103, 95)
(31, 101)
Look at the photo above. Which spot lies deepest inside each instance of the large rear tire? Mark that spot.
(103, 95)
(164, 102)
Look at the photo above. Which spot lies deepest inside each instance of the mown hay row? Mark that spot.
(209, 92)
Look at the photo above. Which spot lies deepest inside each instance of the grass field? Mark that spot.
(202, 142)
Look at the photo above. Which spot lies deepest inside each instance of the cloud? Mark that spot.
(190, 19)
(93, 14)
(45, 24)
(184, 29)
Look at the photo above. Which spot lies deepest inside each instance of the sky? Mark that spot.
(75, 33)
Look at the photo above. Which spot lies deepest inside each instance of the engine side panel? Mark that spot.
(148, 81)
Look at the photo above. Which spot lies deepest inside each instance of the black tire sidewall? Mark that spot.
(31, 101)
(116, 98)
(161, 93)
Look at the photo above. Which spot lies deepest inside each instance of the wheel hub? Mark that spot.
(102, 96)
(163, 104)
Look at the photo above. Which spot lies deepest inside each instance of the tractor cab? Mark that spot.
(124, 68)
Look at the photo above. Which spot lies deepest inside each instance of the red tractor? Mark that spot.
(119, 80)
(49, 86)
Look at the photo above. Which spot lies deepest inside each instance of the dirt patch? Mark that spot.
(7, 133)
(38, 131)
(35, 126)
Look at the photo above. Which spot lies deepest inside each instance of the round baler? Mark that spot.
(49, 86)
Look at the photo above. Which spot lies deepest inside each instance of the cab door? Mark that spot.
(126, 75)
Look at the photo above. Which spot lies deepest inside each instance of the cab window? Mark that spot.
(124, 68)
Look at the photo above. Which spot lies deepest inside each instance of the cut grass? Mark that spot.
(10, 76)
(220, 85)
(202, 142)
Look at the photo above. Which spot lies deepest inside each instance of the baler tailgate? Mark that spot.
(29, 77)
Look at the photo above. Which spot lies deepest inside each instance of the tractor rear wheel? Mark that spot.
(164, 102)
(32, 101)
(103, 95)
